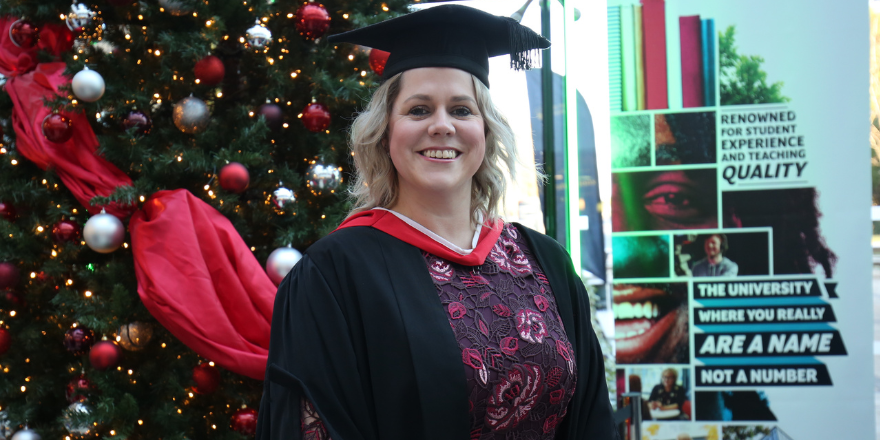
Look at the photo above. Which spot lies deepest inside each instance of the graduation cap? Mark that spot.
(449, 36)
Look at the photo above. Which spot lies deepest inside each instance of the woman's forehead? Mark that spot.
(431, 81)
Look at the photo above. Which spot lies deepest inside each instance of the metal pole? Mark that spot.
(572, 173)
(635, 402)
(547, 120)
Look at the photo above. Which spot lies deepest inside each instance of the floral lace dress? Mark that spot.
(518, 361)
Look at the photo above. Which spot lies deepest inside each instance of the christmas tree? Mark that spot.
(213, 135)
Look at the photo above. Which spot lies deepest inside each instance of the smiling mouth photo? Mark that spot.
(650, 323)
(440, 154)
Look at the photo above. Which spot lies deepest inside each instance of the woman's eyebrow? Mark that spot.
(422, 97)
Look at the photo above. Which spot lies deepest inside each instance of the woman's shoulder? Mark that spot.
(351, 242)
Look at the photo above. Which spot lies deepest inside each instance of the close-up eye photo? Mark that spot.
(664, 200)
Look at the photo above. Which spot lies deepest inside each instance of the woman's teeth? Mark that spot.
(636, 311)
(440, 154)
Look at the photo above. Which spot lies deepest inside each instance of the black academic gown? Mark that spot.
(358, 329)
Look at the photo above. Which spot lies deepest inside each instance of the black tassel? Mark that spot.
(524, 43)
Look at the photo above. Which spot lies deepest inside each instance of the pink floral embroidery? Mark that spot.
(556, 396)
(456, 310)
(502, 310)
(509, 346)
(531, 326)
(550, 423)
(472, 358)
(510, 258)
(484, 329)
(541, 303)
(564, 349)
(513, 398)
(441, 271)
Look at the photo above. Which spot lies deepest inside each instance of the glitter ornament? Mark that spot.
(234, 177)
(73, 427)
(8, 275)
(66, 230)
(105, 355)
(378, 59)
(104, 233)
(57, 128)
(316, 117)
(280, 262)
(258, 36)
(210, 71)
(24, 33)
(5, 341)
(139, 121)
(323, 178)
(79, 340)
(206, 377)
(88, 85)
(191, 115)
(134, 336)
(312, 20)
(282, 197)
(78, 17)
(76, 387)
(244, 421)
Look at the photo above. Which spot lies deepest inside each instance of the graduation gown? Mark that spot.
(359, 331)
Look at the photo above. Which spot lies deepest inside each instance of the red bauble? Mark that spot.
(57, 128)
(244, 421)
(234, 177)
(8, 275)
(210, 71)
(274, 116)
(5, 341)
(105, 355)
(79, 340)
(76, 387)
(14, 298)
(66, 230)
(139, 120)
(24, 34)
(316, 117)
(378, 58)
(7, 211)
(206, 377)
(312, 20)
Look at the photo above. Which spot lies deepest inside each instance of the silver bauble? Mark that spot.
(26, 434)
(282, 197)
(323, 178)
(175, 7)
(258, 36)
(191, 115)
(88, 85)
(72, 426)
(78, 17)
(134, 336)
(104, 233)
(280, 262)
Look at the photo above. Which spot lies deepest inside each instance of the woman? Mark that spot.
(416, 318)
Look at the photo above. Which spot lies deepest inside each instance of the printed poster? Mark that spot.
(740, 217)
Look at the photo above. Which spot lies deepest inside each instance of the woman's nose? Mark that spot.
(441, 124)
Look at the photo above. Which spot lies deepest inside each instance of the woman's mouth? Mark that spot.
(643, 318)
(440, 154)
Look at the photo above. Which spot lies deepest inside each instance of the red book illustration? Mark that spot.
(654, 31)
(691, 61)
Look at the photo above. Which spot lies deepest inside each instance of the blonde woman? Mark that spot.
(425, 316)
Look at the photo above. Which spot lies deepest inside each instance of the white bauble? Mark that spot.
(280, 262)
(104, 233)
(81, 428)
(26, 434)
(88, 85)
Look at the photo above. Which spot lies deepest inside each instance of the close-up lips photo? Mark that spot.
(650, 322)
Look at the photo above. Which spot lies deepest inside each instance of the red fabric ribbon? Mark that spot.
(200, 280)
(53, 38)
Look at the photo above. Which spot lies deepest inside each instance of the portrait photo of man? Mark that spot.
(715, 264)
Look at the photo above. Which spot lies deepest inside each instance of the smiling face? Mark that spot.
(712, 246)
(437, 139)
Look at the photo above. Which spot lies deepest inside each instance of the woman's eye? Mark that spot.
(462, 111)
(418, 111)
(674, 202)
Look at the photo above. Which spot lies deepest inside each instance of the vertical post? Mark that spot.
(547, 120)
(572, 175)
(635, 401)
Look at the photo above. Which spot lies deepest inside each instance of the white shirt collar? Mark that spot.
(448, 244)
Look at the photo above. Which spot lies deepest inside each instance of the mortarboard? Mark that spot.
(448, 36)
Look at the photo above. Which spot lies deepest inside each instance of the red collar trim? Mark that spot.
(388, 223)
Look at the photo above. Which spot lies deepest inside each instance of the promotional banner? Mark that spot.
(740, 217)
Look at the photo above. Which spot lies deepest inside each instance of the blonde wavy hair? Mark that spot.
(376, 185)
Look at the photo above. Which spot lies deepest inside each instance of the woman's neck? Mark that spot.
(448, 217)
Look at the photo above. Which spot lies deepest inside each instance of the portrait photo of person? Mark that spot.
(666, 394)
(651, 323)
(721, 254)
(667, 398)
(664, 200)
